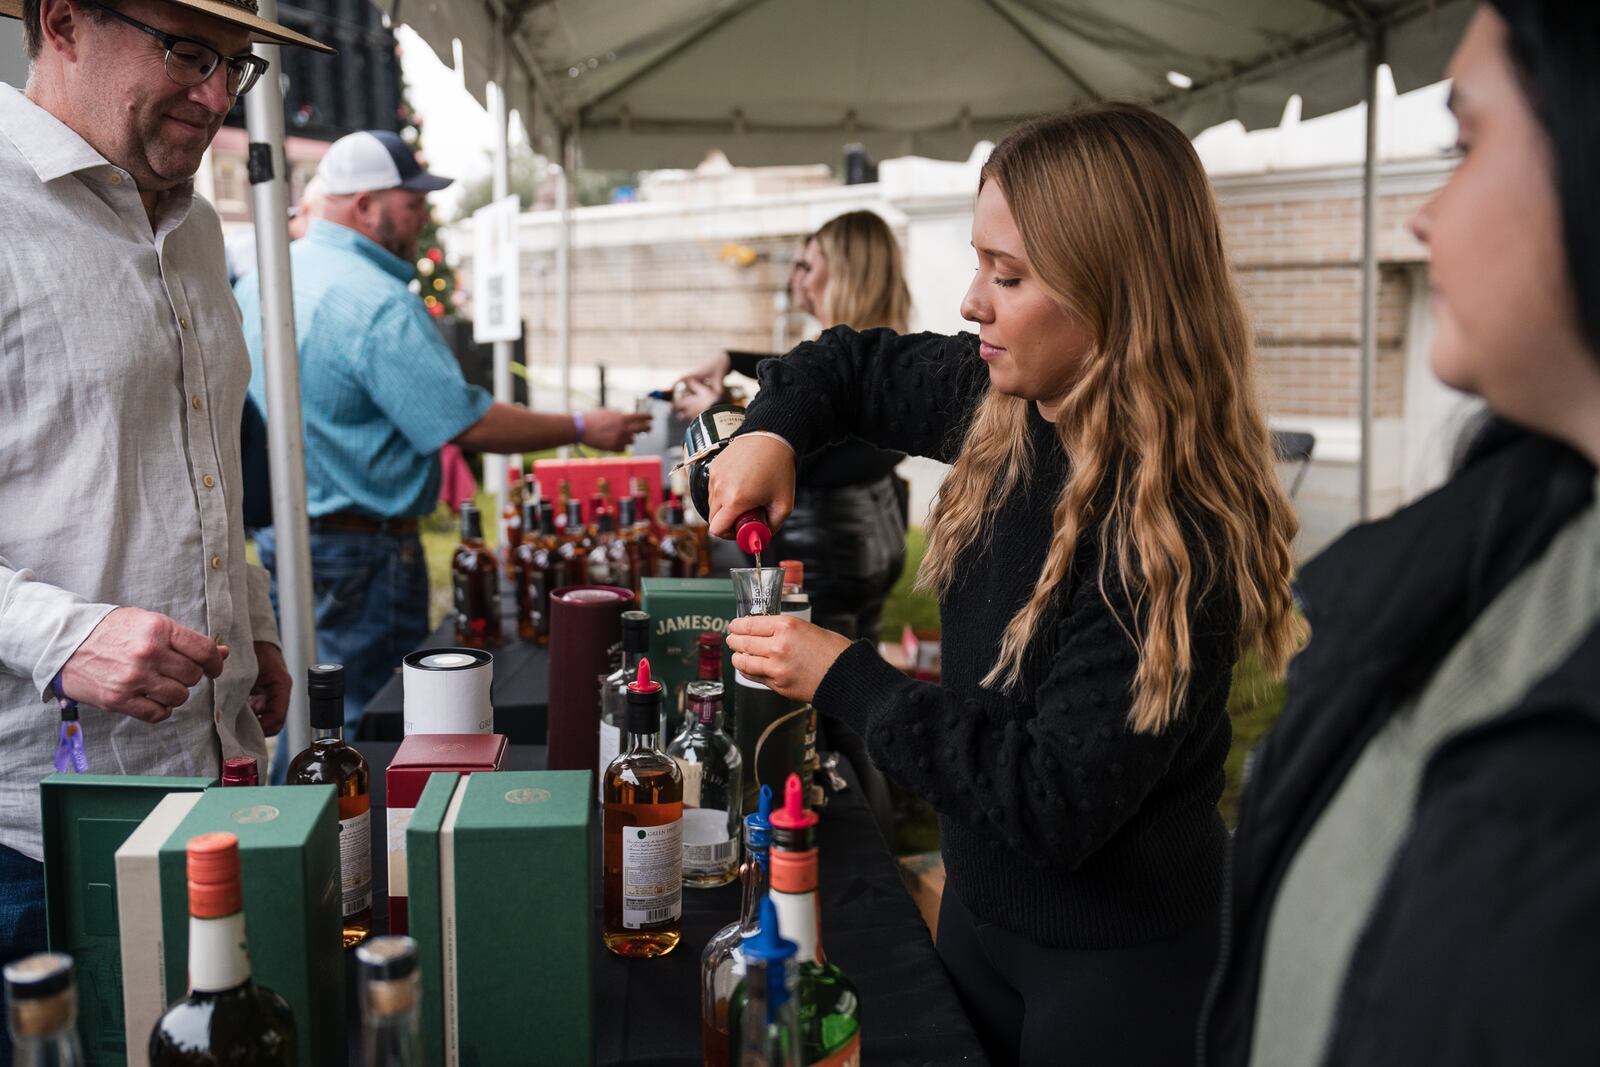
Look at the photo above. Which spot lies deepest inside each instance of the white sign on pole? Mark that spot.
(497, 290)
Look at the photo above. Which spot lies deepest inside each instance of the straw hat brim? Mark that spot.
(260, 29)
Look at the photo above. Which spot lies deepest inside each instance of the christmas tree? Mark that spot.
(436, 271)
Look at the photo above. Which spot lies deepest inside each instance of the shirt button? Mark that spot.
(216, 563)
(183, 323)
(116, 179)
(210, 482)
(195, 400)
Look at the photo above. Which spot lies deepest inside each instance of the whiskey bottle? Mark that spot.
(535, 568)
(614, 690)
(391, 1003)
(602, 558)
(477, 585)
(511, 518)
(226, 1018)
(563, 511)
(643, 878)
(830, 1011)
(713, 790)
(638, 541)
(42, 1011)
(769, 1033)
(329, 761)
(574, 547)
(722, 962)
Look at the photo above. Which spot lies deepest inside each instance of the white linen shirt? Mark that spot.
(123, 384)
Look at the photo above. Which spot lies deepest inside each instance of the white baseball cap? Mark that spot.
(371, 160)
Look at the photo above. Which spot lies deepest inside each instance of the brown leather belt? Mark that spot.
(350, 522)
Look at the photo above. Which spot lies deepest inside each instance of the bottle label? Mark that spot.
(463, 597)
(691, 782)
(538, 601)
(355, 862)
(706, 843)
(599, 569)
(610, 748)
(652, 874)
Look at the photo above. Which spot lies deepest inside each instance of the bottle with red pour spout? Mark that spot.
(643, 839)
(830, 1011)
(703, 440)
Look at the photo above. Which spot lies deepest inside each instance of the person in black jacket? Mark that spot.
(1111, 535)
(1415, 875)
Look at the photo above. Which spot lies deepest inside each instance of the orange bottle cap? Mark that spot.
(213, 868)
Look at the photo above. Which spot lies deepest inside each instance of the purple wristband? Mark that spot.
(577, 427)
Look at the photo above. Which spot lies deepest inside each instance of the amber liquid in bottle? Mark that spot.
(535, 562)
(329, 761)
(678, 554)
(643, 840)
(476, 578)
(574, 548)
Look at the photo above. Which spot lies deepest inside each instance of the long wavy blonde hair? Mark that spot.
(866, 281)
(1162, 428)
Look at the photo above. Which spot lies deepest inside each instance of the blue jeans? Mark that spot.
(22, 930)
(370, 593)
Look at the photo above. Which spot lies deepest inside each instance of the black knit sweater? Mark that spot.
(1056, 820)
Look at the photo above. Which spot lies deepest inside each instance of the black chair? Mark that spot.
(1294, 446)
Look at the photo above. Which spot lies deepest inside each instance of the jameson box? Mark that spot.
(419, 756)
(86, 818)
(502, 874)
(289, 863)
(680, 610)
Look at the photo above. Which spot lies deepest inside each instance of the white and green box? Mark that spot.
(502, 871)
(289, 863)
(680, 610)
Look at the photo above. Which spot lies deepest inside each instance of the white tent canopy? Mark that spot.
(657, 84)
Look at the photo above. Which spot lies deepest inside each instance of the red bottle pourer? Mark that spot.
(752, 532)
(642, 683)
(794, 826)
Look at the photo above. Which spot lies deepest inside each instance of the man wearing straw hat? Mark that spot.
(123, 581)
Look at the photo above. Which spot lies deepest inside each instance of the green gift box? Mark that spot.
(289, 864)
(86, 818)
(680, 610)
(502, 868)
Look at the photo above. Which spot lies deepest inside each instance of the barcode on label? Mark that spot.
(657, 914)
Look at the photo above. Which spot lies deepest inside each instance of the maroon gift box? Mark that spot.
(417, 757)
(585, 627)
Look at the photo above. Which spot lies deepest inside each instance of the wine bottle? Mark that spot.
(614, 690)
(769, 1032)
(391, 1003)
(330, 761)
(226, 1018)
(476, 579)
(712, 790)
(642, 912)
(830, 1011)
(722, 963)
(42, 1011)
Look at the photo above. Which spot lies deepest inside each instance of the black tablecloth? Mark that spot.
(648, 1011)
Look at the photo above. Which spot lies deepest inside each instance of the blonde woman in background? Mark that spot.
(849, 520)
(1110, 539)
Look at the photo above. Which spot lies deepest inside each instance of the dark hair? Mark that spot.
(1555, 48)
(33, 32)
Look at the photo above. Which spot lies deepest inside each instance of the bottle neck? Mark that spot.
(753, 880)
(644, 742)
(794, 893)
(391, 1026)
(218, 957)
(327, 733)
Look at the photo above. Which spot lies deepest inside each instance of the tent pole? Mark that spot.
(286, 441)
(1369, 272)
(495, 465)
(566, 196)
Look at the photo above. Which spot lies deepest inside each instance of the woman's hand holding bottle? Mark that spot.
(753, 471)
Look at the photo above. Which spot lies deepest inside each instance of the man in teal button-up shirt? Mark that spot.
(381, 393)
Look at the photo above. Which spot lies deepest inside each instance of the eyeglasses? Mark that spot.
(191, 62)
